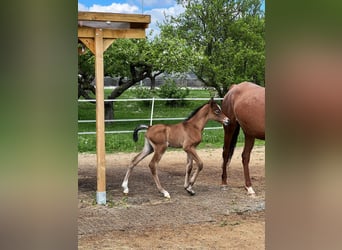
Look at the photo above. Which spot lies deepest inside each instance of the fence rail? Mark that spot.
(151, 119)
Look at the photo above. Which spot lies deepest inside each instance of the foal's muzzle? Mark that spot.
(225, 121)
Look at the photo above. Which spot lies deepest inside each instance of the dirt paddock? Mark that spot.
(211, 219)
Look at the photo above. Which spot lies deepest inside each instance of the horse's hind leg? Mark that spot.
(188, 171)
(159, 151)
(145, 152)
(246, 153)
(226, 154)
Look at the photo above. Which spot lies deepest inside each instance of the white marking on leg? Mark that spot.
(166, 194)
(250, 190)
(190, 190)
(125, 187)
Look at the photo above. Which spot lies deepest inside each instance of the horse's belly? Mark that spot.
(254, 127)
(174, 144)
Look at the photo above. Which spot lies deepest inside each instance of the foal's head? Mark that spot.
(216, 114)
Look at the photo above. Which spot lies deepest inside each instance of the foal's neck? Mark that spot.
(200, 119)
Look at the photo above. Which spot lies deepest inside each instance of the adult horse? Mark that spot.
(244, 104)
(186, 135)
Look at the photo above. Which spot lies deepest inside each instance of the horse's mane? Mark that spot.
(194, 112)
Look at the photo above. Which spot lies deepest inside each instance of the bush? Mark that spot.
(170, 90)
(141, 93)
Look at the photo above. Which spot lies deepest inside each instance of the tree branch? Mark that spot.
(139, 71)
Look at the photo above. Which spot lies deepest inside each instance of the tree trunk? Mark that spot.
(153, 79)
(109, 106)
(109, 111)
(153, 82)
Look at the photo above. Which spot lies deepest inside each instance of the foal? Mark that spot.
(186, 135)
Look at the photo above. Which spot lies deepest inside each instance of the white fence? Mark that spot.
(151, 119)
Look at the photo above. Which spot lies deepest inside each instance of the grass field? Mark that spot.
(139, 110)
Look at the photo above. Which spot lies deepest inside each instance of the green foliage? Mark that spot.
(136, 59)
(86, 65)
(144, 93)
(228, 38)
(170, 90)
(162, 54)
(121, 54)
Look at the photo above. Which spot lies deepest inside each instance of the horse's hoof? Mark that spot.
(190, 191)
(125, 191)
(166, 195)
(224, 187)
(250, 191)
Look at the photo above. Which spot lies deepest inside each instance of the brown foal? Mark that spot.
(186, 135)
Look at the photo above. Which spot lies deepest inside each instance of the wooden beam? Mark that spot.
(113, 17)
(89, 43)
(107, 43)
(100, 125)
(86, 32)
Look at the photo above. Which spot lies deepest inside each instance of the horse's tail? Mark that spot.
(234, 141)
(135, 133)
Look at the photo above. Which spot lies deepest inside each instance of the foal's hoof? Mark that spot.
(190, 191)
(250, 192)
(125, 192)
(224, 187)
(166, 194)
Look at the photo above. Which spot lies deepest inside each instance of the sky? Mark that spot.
(155, 8)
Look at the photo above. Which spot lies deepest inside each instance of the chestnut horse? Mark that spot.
(186, 135)
(244, 104)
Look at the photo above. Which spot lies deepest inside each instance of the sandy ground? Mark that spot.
(211, 219)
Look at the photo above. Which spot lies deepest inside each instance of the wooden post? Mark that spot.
(97, 41)
(100, 125)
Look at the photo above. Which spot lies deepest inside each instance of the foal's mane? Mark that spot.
(195, 112)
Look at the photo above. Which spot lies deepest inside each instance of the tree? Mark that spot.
(229, 35)
(137, 59)
(133, 60)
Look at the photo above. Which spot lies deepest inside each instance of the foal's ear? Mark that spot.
(211, 102)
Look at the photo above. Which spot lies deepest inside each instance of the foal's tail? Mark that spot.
(135, 133)
(234, 141)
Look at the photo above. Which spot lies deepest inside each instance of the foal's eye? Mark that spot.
(217, 111)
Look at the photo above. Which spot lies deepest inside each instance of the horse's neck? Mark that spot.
(200, 119)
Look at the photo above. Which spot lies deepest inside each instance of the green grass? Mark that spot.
(135, 110)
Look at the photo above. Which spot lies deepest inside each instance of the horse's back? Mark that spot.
(245, 103)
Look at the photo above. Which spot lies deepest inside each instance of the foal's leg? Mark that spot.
(188, 171)
(159, 151)
(246, 153)
(145, 152)
(192, 152)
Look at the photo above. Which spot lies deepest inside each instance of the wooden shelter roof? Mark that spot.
(115, 25)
